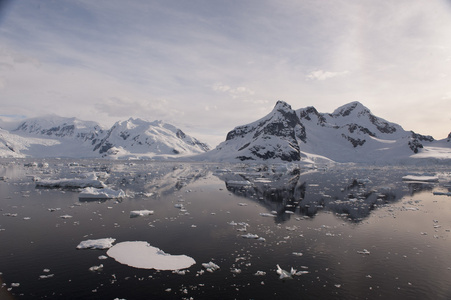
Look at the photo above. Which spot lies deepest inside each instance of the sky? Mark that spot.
(207, 66)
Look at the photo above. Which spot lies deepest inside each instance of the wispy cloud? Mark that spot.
(323, 75)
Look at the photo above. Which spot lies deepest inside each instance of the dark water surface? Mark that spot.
(333, 216)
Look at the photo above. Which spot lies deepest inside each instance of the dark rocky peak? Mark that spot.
(449, 137)
(416, 141)
(309, 112)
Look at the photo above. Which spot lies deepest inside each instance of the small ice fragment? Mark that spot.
(210, 266)
(65, 216)
(96, 268)
(267, 215)
(178, 205)
(364, 252)
(297, 254)
(242, 204)
(250, 236)
(235, 271)
(102, 257)
(96, 244)
(102, 193)
(15, 284)
(283, 274)
(141, 213)
(260, 273)
(46, 276)
(299, 273)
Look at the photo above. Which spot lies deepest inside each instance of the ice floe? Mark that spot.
(104, 243)
(139, 254)
(141, 213)
(424, 178)
(100, 193)
(70, 183)
(210, 266)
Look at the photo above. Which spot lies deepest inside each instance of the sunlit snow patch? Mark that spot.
(141, 255)
(96, 244)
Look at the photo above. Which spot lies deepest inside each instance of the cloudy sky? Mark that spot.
(207, 66)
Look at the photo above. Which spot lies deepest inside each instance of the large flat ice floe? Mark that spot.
(141, 255)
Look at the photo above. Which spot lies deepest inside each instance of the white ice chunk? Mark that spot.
(285, 274)
(105, 193)
(423, 178)
(267, 215)
(96, 268)
(141, 255)
(140, 213)
(96, 244)
(250, 236)
(210, 266)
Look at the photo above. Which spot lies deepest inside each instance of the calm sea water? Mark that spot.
(360, 232)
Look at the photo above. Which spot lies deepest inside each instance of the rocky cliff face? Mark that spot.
(275, 136)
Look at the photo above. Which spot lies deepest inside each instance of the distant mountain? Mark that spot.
(350, 134)
(54, 136)
(59, 127)
(152, 138)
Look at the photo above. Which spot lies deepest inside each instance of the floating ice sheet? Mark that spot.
(141, 255)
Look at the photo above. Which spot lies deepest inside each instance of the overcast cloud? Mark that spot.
(208, 66)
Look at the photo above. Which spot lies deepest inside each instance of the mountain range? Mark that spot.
(69, 137)
(350, 134)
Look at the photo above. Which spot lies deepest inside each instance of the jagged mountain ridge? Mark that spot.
(350, 134)
(75, 138)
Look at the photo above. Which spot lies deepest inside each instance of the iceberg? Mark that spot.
(96, 244)
(138, 254)
(104, 193)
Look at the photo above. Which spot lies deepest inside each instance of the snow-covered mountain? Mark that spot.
(350, 134)
(54, 136)
(136, 136)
